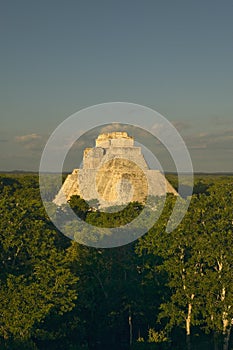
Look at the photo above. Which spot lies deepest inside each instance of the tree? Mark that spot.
(35, 278)
(216, 228)
(198, 263)
(174, 257)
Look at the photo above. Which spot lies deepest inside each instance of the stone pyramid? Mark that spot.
(114, 172)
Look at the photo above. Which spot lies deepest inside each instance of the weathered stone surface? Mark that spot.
(117, 139)
(114, 172)
(120, 180)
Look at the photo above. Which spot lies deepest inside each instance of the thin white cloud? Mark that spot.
(181, 125)
(31, 142)
(157, 127)
(221, 140)
(27, 138)
(113, 127)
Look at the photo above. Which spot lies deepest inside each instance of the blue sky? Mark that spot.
(58, 57)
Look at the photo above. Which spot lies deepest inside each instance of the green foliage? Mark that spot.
(79, 206)
(156, 337)
(197, 261)
(115, 216)
(36, 280)
(57, 294)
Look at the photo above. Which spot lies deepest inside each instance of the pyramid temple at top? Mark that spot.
(114, 172)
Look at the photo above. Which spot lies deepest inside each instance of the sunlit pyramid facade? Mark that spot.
(114, 172)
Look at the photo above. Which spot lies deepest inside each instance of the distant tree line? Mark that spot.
(163, 291)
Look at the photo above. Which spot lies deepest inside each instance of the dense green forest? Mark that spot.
(163, 291)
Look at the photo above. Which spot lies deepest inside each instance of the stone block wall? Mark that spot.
(92, 157)
(115, 172)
